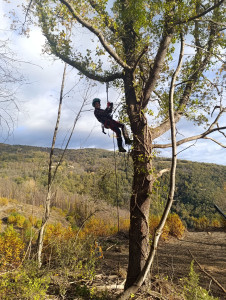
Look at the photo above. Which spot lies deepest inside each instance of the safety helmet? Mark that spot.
(94, 101)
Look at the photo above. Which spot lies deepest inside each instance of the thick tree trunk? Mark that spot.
(139, 205)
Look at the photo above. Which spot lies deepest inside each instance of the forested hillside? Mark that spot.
(93, 174)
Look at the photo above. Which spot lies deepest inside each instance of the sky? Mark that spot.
(38, 99)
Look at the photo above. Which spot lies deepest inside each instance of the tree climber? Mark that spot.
(104, 116)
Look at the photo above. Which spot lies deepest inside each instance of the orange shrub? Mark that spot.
(176, 227)
(57, 232)
(153, 223)
(200, 223)
(98, 227)
(103, 227)
(216, 223)
(173, 226)
(11, 249)
(124, 224)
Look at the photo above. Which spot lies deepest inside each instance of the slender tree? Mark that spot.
(52, 171)
(134, 46)
(10, 81)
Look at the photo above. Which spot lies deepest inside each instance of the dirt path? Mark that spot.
(173, 259)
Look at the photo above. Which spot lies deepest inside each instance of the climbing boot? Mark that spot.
(119, 142)
(128, 141)
(121, 149)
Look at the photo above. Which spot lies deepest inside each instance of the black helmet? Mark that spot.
(94, 101)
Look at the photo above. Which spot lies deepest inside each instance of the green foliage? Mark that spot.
(91, 173)
(192, 290)
(125, 29)
(90, 293)
(16, 219)
(25, 283)
(198, 187)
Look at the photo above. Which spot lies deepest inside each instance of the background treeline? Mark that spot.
(94, 174)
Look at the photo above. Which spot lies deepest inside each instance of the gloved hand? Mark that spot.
(109, 104)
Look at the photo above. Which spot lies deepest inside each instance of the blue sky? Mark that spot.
(38, 103)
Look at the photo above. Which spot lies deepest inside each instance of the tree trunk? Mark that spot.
(139, 203)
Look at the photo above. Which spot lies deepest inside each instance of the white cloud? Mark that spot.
(39, 99)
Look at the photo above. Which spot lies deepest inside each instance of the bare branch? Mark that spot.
(187, 147)
(189, 139)
(27, 12)
(215, 141)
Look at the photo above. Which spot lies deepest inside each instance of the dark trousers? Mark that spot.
(114, 126)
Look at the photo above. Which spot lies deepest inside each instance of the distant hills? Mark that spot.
(91, 173)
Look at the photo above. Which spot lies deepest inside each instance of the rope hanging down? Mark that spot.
(107, 87)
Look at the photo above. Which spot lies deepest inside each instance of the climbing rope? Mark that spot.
(107, 87)
(116, 183)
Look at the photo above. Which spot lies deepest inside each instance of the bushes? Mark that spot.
(191, 288)
(25, 283)
(173, 226)
(103, 227)
(4, 201)
(64, 250)
(11, 249)
(202, 223)
(16, 219)
(153, 223)
(176, 227)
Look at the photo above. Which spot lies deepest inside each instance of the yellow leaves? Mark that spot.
(11, 249)
(176, 227)
(153, 223)
(173, 226)
(16, 219)
(3, 201)
(57, 231)
(103, 227)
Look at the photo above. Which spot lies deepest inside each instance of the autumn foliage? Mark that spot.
(11, 249)
(173, 226)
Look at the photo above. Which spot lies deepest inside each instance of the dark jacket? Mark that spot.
(103, 115)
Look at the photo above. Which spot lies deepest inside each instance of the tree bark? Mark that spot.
(135, 280)
(142, 184)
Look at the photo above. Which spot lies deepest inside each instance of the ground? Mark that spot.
(172, 261)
